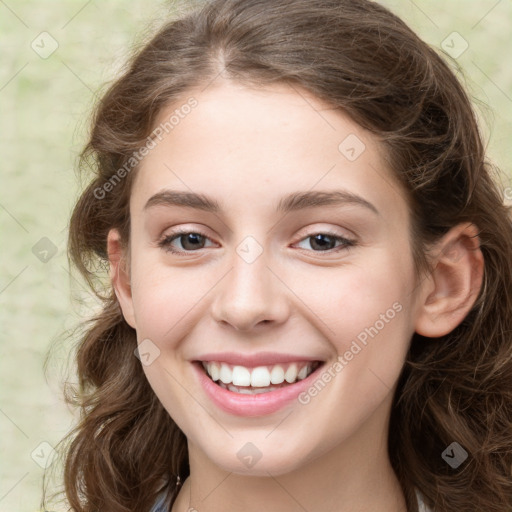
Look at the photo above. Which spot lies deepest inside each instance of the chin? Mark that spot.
(263, 464)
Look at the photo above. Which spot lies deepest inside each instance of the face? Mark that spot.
(270, 247)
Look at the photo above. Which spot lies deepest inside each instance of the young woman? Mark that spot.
(309, 303)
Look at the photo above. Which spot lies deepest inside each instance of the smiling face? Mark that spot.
(297, 256)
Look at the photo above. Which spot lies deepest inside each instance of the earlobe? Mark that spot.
(119, 276)
(454, 284)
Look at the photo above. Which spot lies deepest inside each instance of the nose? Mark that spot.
(251, 295)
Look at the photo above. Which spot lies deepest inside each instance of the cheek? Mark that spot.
(366, 316)
(374, 325)
(166, 300)
(359, 295)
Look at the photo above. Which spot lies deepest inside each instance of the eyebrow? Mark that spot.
(292, 202)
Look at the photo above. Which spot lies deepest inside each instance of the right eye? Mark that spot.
(189, 240)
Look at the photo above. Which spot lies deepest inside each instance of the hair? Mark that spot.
(363, 60)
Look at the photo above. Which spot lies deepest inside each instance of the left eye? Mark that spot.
(326, 242)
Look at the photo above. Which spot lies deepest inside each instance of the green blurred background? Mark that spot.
(45, 100)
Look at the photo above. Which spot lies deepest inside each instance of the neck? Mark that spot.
(355, 475)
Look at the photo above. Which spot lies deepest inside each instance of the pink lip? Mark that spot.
(253, 360)
(252, 405)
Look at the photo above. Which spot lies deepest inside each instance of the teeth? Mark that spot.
(226, 375)
(214, 371)
(303, 372)
(240, 390)
(247, 391)
(277, 374)
(241, 376)
(291, 373)
(259, 377)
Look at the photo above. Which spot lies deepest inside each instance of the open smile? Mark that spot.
(250, 390)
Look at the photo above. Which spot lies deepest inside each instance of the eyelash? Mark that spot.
(165, 243)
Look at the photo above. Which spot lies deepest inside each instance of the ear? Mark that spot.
(120, 275)
(450, 291)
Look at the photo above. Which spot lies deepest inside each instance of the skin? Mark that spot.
(247, 148)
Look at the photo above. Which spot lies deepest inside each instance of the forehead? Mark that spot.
(259, 143)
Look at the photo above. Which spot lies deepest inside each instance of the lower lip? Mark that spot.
(252, 405)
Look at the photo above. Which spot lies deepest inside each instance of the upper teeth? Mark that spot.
(261, 376)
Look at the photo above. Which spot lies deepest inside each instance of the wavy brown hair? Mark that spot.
(363, 60)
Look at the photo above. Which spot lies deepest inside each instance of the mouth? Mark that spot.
(259, 384)
(259, 379)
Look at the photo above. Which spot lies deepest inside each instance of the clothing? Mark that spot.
(160, 507)
(421, 504)
(159, 504)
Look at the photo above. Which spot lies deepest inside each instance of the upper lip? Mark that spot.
(253, 360)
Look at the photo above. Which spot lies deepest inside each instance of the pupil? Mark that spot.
(191, 237)
(322, 244)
